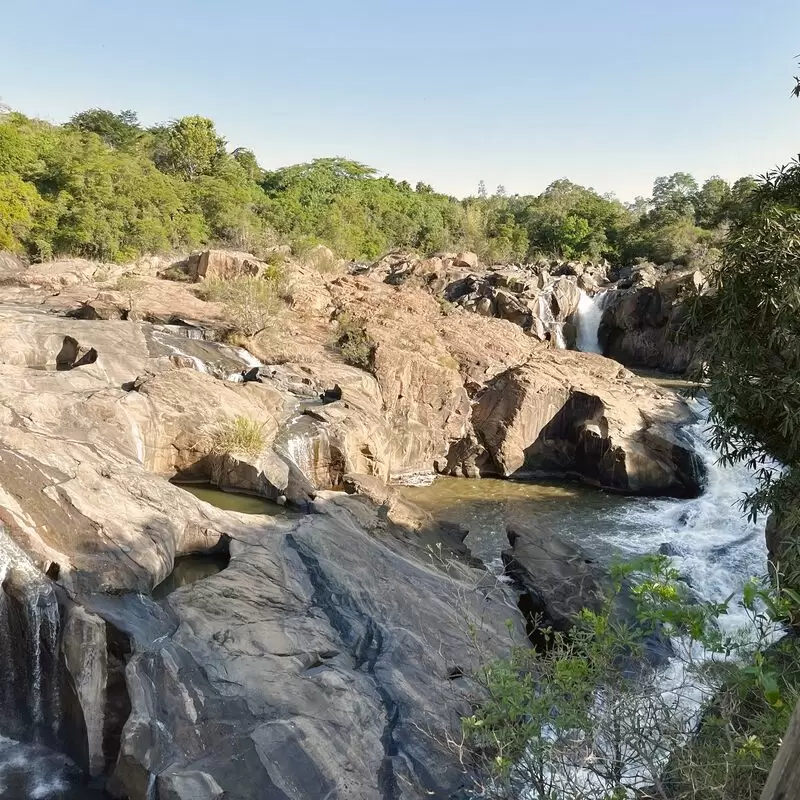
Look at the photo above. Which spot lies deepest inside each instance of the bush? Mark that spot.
(354, 344)
(589, 714)
(251, 303)
(239, 435)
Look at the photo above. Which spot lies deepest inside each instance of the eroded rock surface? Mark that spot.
(320, 662)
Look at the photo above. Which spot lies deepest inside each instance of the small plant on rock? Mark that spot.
(252, 303)
(239, 435)
(354, 344)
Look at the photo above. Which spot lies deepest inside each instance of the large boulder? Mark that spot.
(559, 580)
(223, 264)
(582, 415)
(642, 326)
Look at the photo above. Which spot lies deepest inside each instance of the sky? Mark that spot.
(609, 93)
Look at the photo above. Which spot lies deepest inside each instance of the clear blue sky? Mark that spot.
(609, 93)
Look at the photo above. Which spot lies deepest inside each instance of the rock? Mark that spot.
(559, 579)
(223, 264)
(566, 294)
(484, 307)
(266, 475)
(73, 354)
(512, 309)
(188, 785)
(311, 664)
(105, 306)
(552, 416)
(671, 549)
(85, 656)
(467, 260)
(641, 326)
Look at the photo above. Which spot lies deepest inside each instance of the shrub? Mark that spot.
(240, 435)
(251, 303)
(354, 344)
(589, 714)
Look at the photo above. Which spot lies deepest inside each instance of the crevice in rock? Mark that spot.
(364, 639)
(118, 702)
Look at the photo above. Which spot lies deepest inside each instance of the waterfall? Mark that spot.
(29, 646)
(305, 443)
(551, 325)
(587, 321)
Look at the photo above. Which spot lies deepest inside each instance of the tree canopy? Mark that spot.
(104, 186)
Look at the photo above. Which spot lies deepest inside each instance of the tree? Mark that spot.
(482, 189)
(712, 202)
(589, 714)
(188, 147)
(120, 131)
(19, 201)
(749, 324)
(248, 162)
(674, 193)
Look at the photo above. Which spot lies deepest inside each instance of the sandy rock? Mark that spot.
(466, 259)
(223, 264)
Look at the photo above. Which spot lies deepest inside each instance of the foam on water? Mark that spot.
(713, 544)
(587, 321)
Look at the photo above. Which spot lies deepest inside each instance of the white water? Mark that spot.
(30, 770)
(247, 357)
(717, 549)
(551, 324)
(587, 321)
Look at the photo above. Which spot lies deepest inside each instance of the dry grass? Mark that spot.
(252, 304)
(238, 435)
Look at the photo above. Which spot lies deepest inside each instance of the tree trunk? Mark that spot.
(783, 782)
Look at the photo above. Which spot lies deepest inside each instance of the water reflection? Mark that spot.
(189, 569)
(574, 512)
(230, 501)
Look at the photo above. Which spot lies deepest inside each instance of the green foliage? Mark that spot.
(107, 189)
(752, 340)
(354, 343)
(252, 303)
(239, 436)
(188, 147)
(19, 202)
(120, 131)
(589, 715)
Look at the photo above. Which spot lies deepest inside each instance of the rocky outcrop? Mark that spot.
(595, 422)
(328, 658)
(223, 264)
(642, 322)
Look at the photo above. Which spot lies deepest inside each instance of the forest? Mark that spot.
(102, 186)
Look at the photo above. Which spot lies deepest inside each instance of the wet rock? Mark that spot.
(559, 579)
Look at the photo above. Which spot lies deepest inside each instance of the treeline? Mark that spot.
(102, 186)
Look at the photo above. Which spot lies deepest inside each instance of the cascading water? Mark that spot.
(30, 684)
(715, 548)
(305, 443)
(551, 325)
(587, 321)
